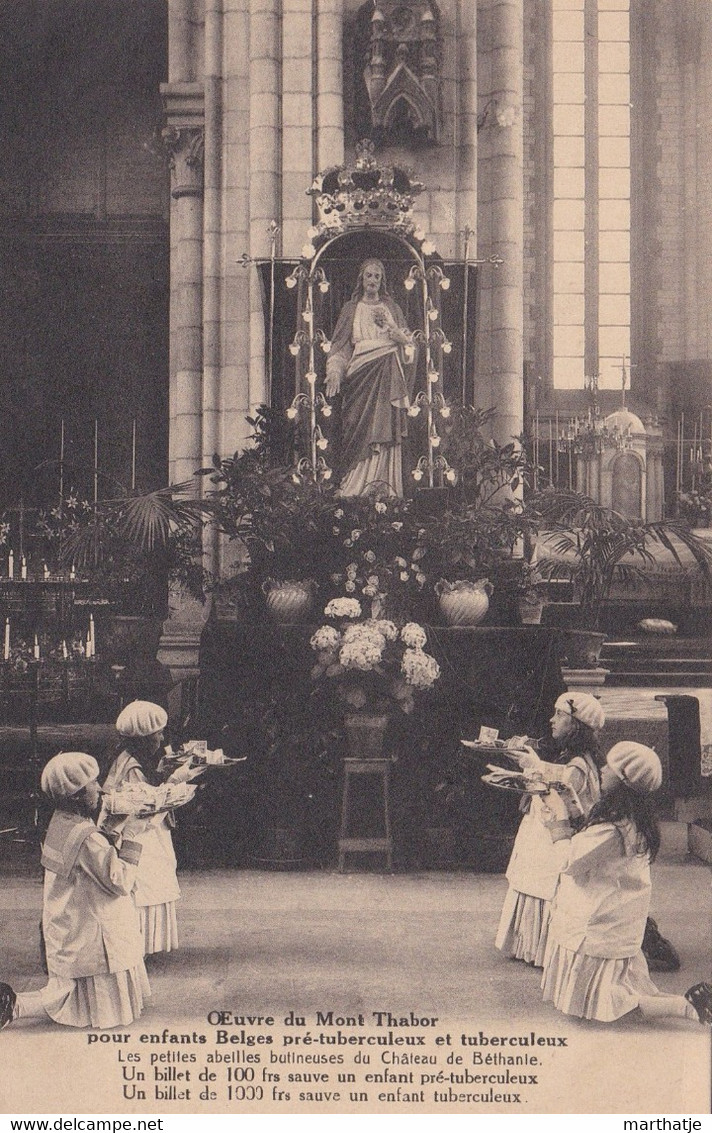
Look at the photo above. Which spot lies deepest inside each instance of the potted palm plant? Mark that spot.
(594, 547)
(129, 549)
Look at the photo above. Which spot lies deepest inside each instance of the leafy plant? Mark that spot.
(695, 505)
(604, 546)
(376, 547)
(486, 470)
(131, 546)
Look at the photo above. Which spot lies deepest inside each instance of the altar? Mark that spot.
(282, 805)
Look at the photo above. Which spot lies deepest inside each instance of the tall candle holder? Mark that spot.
(435, 344)
(309, 402)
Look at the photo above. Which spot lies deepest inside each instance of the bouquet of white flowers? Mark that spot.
(372, 660)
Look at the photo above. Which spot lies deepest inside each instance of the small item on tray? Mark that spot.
(507, 780)
(217, 758)
(184, 772)
(144, 800)
(488, 735)
(502, 749)
(209, 758)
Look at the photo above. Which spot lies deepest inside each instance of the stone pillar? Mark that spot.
(694, 36)
(212, 233)
(236, 221)
(298, 132)
(500, 164)
(184, 136)
(265, 168)
(466, 111)
(329, 94)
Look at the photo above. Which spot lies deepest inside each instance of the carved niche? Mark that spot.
(399, 57)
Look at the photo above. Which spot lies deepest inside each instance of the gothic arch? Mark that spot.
(395, 58)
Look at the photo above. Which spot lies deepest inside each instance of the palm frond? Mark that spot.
(147, 521)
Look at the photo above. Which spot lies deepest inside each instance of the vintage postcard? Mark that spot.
(357, 404)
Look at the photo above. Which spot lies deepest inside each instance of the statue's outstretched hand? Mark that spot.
(333, 385)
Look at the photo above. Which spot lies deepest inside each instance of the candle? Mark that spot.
(96, 462)
(64, 650)
(45, 572)
(91, 635)
(23, 569)
(88, 645)
(11, 565)
(72, 573)
(6, 651)
(36, 649)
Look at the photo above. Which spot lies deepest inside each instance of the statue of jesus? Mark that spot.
(371, 364)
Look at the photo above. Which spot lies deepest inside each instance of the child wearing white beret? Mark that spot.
(536, 862)
(97, 976)
(140, 725)
(594, 966)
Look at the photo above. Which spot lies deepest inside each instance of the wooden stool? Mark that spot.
(349, 845)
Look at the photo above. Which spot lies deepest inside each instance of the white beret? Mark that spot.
(584, 707)
(636, 765)
(141, 718)
(67, 773)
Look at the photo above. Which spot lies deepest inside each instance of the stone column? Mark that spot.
(265, 168)
(329, 95)
(184, 136)
(298, 133)
(500, 162)
(236, 221)
(467, 126)
(213, 263)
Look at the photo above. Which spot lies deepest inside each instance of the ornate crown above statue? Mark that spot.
(365, 194)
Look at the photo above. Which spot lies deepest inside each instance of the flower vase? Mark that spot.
(289, 602)
(464, 603)
(365, 734)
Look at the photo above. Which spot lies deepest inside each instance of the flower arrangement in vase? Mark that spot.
(376, 665)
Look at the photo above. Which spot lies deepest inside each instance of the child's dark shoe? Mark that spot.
(659, 952)
(700, 996)
(8, 1000)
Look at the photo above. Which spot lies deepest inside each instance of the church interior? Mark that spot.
(191, 196)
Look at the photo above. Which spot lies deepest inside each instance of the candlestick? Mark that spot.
(61, 466)
(6, 651)
(36, 650)
(96, 462)
(72, 573)
(88, 645)
(23, 569)
(64, 650)
(91, 635)
(11, 565)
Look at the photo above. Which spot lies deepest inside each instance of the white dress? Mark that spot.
(156, 890)
(535, 864)
(594, 967)
(97, 976)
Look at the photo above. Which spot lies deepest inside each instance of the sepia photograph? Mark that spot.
(356, 558)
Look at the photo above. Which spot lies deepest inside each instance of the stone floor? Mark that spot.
(270, 943)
